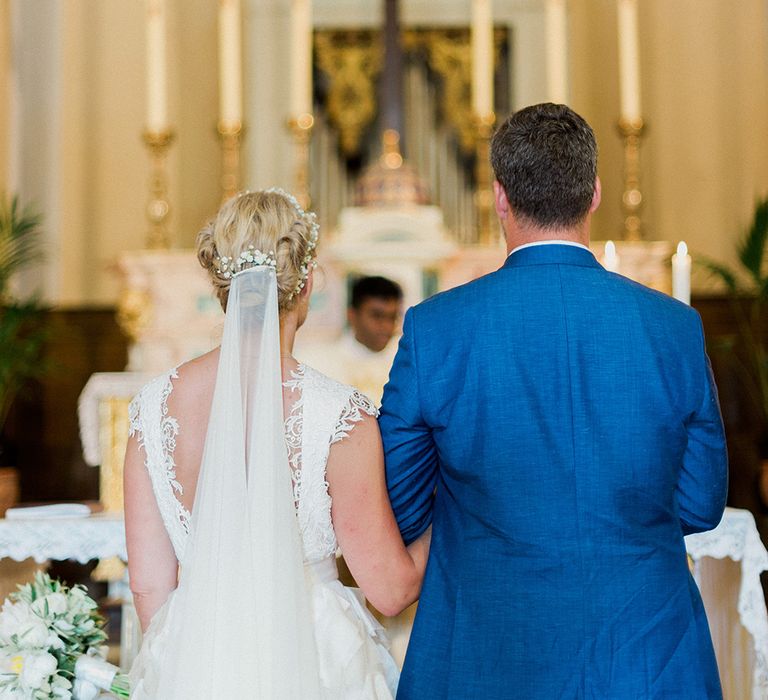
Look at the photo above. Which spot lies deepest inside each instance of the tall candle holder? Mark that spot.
(301, 130)
(632, 199)
(484, 192)
(158, 206)
(230, 135)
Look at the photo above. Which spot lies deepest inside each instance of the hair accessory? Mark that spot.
(308, 263)
(228, 267)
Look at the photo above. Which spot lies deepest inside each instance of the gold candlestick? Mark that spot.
(632, 199)
(301, 130)
(230, 135)
(484, 192)
(158, 206)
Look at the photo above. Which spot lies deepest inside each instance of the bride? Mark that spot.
(245, 471)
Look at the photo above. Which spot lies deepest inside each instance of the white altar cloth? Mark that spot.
(99, 536)
(728, 562)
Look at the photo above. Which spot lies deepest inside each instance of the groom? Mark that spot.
(558, 425)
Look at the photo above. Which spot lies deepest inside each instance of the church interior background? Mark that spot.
(124, 124)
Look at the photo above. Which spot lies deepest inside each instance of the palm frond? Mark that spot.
(716, 269)
(751, 250)
(20, 239)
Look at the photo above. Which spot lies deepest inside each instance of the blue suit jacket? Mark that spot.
(559, 426)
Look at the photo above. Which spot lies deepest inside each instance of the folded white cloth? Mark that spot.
(52, 511)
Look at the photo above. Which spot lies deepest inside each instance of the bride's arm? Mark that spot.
(389, 574)
(152, 564)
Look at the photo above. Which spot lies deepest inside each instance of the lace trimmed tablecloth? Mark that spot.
(728, 562)
(98, 536)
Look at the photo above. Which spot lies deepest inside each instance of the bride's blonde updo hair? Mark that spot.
(269, 221)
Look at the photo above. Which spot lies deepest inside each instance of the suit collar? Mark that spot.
(556, 254)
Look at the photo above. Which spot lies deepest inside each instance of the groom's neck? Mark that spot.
(519, 233)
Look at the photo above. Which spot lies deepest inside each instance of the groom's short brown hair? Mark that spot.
(545, 158)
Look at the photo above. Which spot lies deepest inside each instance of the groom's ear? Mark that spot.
(500, 200)
(596, 196)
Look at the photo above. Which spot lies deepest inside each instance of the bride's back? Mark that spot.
(170, 419)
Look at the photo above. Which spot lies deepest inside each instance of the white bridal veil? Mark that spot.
(242, 623)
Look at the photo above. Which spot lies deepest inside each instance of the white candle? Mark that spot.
(681, 274)
(611, 257)
(482, 58)
(629, 60)
(301, 58)
(557, 51)
(157, 97)
(230, 64)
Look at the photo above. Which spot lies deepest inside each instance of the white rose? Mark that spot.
(38, 667)
(61, 688)
(79, 602)
(33, 634)
(12, 618)
(57, 603)
(19, 619)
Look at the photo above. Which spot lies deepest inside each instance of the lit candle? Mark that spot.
(482, 58)
(611, 257)
(681, 274)
(157, 108)
(301, 53)
(557, 53)
(230, 64)
(629, 60)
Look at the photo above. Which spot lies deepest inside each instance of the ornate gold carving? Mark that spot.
(113, 425)
(449, 54)
(134, 312)
(113, 428)
(158, 207)
(351, 60)
(632, 198)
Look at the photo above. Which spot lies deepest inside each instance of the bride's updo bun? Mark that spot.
(269, 221)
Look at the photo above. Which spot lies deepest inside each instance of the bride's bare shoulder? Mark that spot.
(196, 378)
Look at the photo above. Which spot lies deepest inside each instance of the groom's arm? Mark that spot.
(702, 487)
(410, 452)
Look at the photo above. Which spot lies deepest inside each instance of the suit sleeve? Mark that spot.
(702, 488)
(409, 449)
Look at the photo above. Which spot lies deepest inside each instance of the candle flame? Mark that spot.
(682, 249)
(610, 249)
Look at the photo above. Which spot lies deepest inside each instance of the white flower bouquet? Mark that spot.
(50, 638)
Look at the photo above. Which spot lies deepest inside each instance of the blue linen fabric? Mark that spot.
(559, 426)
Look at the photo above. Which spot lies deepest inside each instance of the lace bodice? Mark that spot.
(324, 413)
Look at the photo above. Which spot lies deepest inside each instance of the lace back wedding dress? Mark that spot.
(352, 657)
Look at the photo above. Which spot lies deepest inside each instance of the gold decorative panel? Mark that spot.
(351, 60)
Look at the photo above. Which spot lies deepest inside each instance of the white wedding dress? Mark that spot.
(352, 651)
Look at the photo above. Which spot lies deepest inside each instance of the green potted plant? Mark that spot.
(747, 284)
(22, 332)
